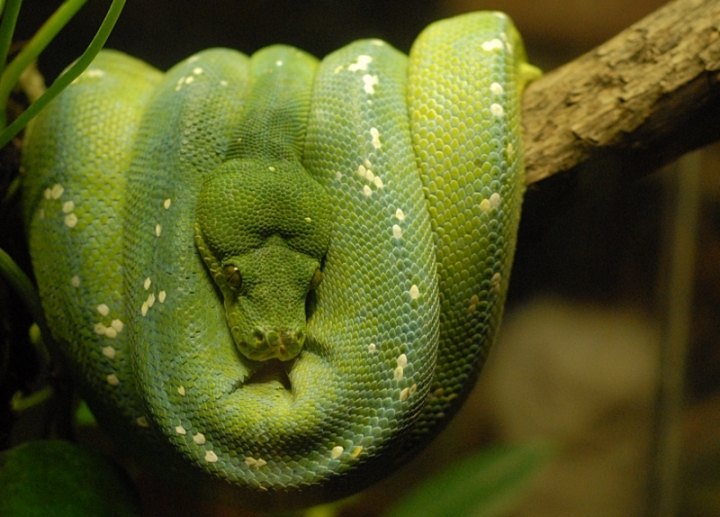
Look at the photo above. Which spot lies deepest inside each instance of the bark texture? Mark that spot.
(647, 96)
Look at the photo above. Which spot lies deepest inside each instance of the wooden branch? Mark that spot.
(646, 96)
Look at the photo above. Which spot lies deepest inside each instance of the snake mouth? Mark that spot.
(272, 371)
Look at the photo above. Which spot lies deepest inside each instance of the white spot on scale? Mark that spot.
(117, 325)
(367, 191)
(338, 175)
(211, 457)
(103, 309)
(400, 215)
(252, 462)
(361, 63)
(197, 70)
(377, 43)
(158, 230)
(109, 352)
(398, 373)
(308, 220)
(223, 83)
(151, 300)
(485, 206)
(189, 79)
(278, 62)
(356, 451)
(369, 175)
(372, 348)
(497, 88)
(144, 308)
(414, 292)
(166, 203)
(367, 163)
(406, 393)
(397, 231)
(181, 391)
(142, 421)
(402, 361)
(113, 380)
(110, 333)
(95, 73)
(272, 169)
(147, 283)
(337, 69)
(75, 281)
(336, 452)
(180, 430)
(68, 206)
(56, 191)
(495, 282)
(497, 110)
(71, 220)
(369, 83)
(192, 59)
(495, 200)
(99, 329)
(493, 44)
(199, 439)
(375, 137)
(362, 171)
(161, 296)
(378, 182)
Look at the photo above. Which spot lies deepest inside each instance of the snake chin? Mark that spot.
(271, 372)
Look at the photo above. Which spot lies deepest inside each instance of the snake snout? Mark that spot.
(275, 344)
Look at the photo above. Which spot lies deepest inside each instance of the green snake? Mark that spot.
(279, 274)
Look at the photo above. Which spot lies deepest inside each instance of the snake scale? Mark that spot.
(277, 274)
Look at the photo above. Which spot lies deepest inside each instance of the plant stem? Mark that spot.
(69, 76)
(19, 281)
(7, 29)
(32, 50)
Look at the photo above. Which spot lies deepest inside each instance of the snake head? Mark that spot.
(262, 233)
(264, 295)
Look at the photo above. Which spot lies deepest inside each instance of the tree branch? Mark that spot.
(647, 96)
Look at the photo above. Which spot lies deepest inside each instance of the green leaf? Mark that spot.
(62, 479)
(485, 484)
(83, 415)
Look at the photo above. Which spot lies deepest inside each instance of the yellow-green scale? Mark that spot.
(466, 132)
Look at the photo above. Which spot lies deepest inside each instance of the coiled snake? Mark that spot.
(282, 273)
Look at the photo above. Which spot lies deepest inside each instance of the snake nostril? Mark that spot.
(273, 338)
(259, 336)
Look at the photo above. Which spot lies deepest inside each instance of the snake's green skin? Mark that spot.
(279, 273)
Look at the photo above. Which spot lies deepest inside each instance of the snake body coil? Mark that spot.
(280, 272)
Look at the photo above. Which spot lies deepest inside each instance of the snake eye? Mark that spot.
(316, 279)
(232, 276)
